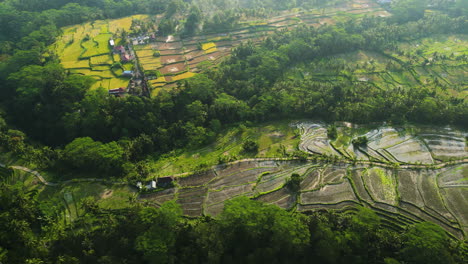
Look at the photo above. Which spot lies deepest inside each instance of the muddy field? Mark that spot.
(408, 192)
(410, 145)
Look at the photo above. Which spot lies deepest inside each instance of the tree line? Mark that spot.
(246, 231)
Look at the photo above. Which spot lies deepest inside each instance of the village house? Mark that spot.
(120, 49)
(125, 57)
(164, 182)
(150, 186)
(127, 74)
(118, 91)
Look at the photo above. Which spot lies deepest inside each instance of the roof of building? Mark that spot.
(117, 90)
(165, 180)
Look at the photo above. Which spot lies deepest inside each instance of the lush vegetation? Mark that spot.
(246, 231)
(52, 121)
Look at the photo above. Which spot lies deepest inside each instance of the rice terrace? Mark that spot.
(405, 174)
(98, 49)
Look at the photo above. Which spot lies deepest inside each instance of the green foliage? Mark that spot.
(260, 228)
(360, 141)
(116, 65)
(301, 155)
(408, 10)
(426, 243)
(332, 132)
(87, 154)
(294, 183)
(157, 243)
(250, 146)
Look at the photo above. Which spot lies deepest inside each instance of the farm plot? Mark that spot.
(158, 82)
(381, 185)
(209, 47)
(311, 179)
(314, 139)
(408, 190)
(411, 151)
(144, 53)
(165, 60)
(150, 63)
(329, 194)
(283, 198)
(170, 46)
(276, 180)
(194, 61)
(445, 144)
(219, 196)
(183, 76)
(333, 174)
(197, 179)
(191, 200)
(359, 188)
(124, 23)
(237, 178)
(433, 199)
(161, 196)
(97, 46)
(172, 52)
(454, 177)
(78, 64)
(401, 196)
(173, 69)
(402, 145)
(102, 60)
(456, 200)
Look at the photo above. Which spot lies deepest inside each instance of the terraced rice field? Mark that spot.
(401, 194)
(199, 52)
(84, 49)
(403, 145)
(439, 61)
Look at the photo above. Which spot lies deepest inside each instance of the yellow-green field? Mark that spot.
(209, 47)
(182, 76)
(84, 49)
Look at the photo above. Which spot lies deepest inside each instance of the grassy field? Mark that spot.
(275, 140)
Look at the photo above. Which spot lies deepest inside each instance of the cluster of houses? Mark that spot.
(143, 39)
(125, 56)
(164, 182)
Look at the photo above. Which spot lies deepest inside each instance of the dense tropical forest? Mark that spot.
(62, 124)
